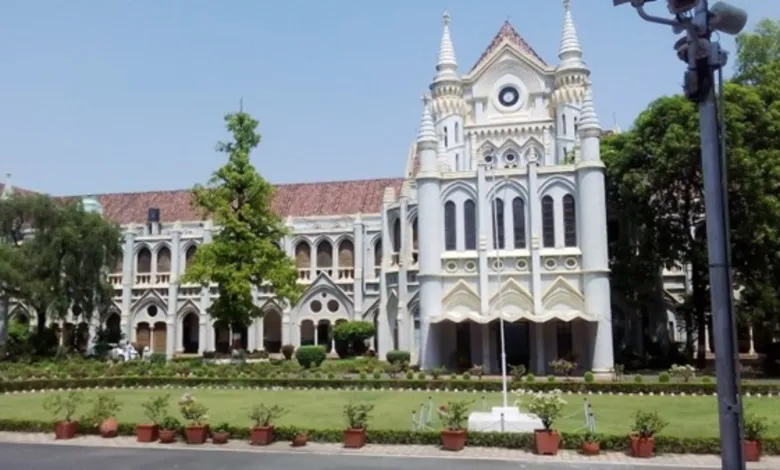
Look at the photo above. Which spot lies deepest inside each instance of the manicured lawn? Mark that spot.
(690, 416)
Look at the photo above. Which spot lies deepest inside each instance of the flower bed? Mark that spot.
(10, 386)
(663, 444)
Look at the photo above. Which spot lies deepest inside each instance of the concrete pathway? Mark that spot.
(319, 453)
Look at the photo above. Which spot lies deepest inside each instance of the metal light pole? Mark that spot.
(704, 57)
(497, 246)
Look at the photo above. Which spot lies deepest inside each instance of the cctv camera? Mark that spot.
(727, 18)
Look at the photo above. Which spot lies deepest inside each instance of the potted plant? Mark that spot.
(357, 420)
(220, 433)
(454, 416)
(103, 415)
(195, 431)
(548, 407)
(64, 405)
(646, 425)
(168, 427)
(155, 409)
(755, 427)
(590, 444)
(263, 430)
(300, 438)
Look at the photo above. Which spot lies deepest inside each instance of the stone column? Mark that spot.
(128, 280)
(206, 331)
(384, 332)
(535, 231)
(484, 238)
(404, 259)
(173, 337)
(752, 351)
(359, 235)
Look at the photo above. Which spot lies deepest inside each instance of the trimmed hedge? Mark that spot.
(373, 384)
(663, 444)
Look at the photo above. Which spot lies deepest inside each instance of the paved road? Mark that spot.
(48, 457)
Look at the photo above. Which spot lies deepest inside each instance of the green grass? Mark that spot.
(689, 416)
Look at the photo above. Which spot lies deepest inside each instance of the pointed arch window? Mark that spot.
(446, 137)
(457, 133)
(450, 235)
(470, 224)
(563, 123)
(518, 222)
(499, 239)
(397, 236)
(548, 222)
(569, 221)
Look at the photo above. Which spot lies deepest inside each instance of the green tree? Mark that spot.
(245, 250)
(53, 257)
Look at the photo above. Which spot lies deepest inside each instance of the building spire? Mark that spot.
(447, 65)
(570, 51)
(8, 188)
(589, 120)
(427, 132)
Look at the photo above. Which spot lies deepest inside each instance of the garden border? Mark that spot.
(525, 441)
(461, 385)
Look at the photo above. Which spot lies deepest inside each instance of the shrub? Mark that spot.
(517, 372)
(287, 351)
(551, 378)
(398, 357)
(684, 372)
(357, 415)
(156, 408)
(637, 379)
(410, 375)
(648, 423)
(192, 411)
(263, 416)
(706, 380)
(477, 371)
(547, 406)
(103, 407)
(351, 337)
(64, 405)
(663, 377)
(455, 414)
(310, 356)
(530, 378)
(221, 427)
(421, 376)
(563, 367)
(170, 423)
(589, 377)
(755, 427)
(378, 374)
(437, 372)
(158, 359)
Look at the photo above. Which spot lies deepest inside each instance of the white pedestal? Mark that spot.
(511, 421)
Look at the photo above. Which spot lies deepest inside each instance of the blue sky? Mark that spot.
(104, 96)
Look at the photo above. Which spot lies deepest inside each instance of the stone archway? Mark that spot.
(272, 331)
(190, 333)
(221, 337)
(307, 332)
(113, 328)
(143, 336)
(324, 334)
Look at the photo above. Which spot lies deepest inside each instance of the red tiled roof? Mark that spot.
(508, 32)
(296, 200)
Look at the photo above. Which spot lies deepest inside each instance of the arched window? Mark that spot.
(563, 123)
(548, 222)
(470, 224)
(415, 236)
(457, 133)
(346, 254)
(302, 255)
(518, 222)
(397, 236)
(499, 238)
(164, 260)
(378, 253)
(446, 137)
(324, 254)
(450, 235)
(569, 221)
(144, 261)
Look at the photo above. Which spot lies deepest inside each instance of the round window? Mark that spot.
(498, 265)
(151, 310)
(510, 157)
(315, 306)
(470, 266)
(522, 265)
(333, 306)
(550, 264)
(571, 263)
(451, 266)
(508, 96)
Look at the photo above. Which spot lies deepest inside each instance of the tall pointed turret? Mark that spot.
(8, 189)
(589, 125)
(447, 65)
(570, 52)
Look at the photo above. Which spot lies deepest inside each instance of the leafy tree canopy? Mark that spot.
(245, 250)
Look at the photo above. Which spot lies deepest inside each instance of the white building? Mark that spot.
(514, 141)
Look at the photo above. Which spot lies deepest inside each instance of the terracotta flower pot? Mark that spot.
(65, 429)
(641, 447)
(752, 450)
(546, 442)
(220, 437)
(195, 434)
(300, 439)
(262, 436)
(453, 440)
(108, 428)
(147, 432)
(354, 438)
(590, 448)
(167, 436)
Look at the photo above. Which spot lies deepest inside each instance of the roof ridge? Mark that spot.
(509, 33)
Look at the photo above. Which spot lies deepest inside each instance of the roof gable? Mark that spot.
(508, 34)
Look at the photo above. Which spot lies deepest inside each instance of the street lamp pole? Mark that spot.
(500, 267)
(704, 57)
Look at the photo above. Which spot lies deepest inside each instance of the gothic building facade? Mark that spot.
(500, 213)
